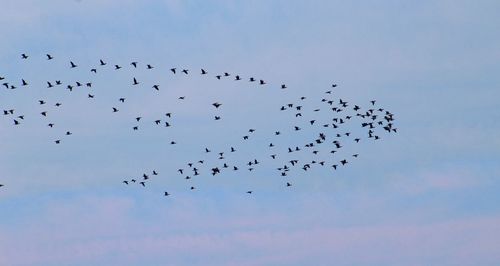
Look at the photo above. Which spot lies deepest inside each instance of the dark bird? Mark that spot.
(173, 70)
(102, 62)
(134, 64)
(156, 87)
(122, 100)
(24, 82)
(261, 82)
(249, 192)
(142, 183)
(149, 66)
(115, 110)
(49, 57)
(203, 72)
(24, 56)
(125, 182)
(58, 141)
(185, 71)
(288, 184)
(283, 86)
(216, 104)
(90, 96)
(93, 70)
(73, 65)
(117, 67)
(135, 82)
(166, 194)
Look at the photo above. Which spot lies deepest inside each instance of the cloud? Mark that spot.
(108, 230)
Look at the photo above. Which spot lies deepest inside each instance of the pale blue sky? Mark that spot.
(425, 196)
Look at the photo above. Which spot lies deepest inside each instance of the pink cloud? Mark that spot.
(104, 232)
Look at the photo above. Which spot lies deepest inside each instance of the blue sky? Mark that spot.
(425, 196)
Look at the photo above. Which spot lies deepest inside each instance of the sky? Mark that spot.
(427, 195)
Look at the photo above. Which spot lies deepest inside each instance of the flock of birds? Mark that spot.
(319, 150)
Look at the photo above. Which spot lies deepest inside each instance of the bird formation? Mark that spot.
(328, 116)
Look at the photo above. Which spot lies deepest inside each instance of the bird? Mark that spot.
(134, 64)
(135, 82)
(173, 70)
(102, 62)
(73, 65)
(166, 194)
(216, 104)
(156, 87)
(49, 57)
(24, 56)
(115, 110)
(203, 71)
